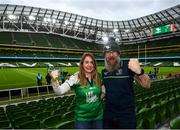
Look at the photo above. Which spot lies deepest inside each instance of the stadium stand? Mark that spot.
(154, 108)
(30, 43)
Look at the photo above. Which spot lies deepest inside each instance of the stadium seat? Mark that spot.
(171, 108)
(22, 104)
(43, 115)
(21, 120)
(33, 113)
(52, 122)
(140, 118)
(71, 107)
(175, 124)
(50, 108)
(66, 125)
(177, 104)
(151, 117)
(34, 124)
(3, 117)
(5, 124)
(1, 110)
(60, 111)
(163, 112)
(156, 115)
(68, 116)
(18, 114)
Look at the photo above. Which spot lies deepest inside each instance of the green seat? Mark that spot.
(21, 105)
(177, 104)
(151, 117)
(68, 116)
(33, 113)
(2, 112)
(5, 124)
(60, 111)
(43, 115)
(156, 116)
(34, 124)
(3, 117)
(52, 121)
(140, 118)
(175, 124)
(21, 120)
(50, 108)
(163, 112)
(66, 125)
(16, 115)
(171, 107)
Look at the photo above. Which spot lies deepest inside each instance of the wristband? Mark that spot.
(142, 72)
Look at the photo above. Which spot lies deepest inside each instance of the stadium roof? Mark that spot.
(26, 18)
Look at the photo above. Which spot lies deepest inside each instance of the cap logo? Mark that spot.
(107, 47)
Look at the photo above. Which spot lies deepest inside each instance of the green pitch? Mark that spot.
(26, 77)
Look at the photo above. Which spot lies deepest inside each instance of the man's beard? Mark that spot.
(115, 66)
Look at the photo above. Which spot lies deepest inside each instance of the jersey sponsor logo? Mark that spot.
(90, 97)
(119, 72)
(92, 87)
(105, 73)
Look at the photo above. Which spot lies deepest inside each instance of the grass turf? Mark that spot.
(26, 77)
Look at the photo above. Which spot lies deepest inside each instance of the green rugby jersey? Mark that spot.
(88, 103)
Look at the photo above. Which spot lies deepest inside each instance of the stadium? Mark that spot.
(32, 40)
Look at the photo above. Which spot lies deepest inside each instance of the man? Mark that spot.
(39, 79)
(118, 77)
(48, 79)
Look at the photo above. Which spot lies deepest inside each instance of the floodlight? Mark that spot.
(53, 21)
(11, 17)
(115, 30)
(117, 39)
(66, 22)
(47, 20)
(105, 39)
(32, 17)
(127, 30)
(77, 24)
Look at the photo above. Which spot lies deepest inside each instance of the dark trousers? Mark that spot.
(126, 121)
(95, 124)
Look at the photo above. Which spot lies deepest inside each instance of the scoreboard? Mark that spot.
(162, 29)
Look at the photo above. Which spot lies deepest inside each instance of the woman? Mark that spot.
(87, 86)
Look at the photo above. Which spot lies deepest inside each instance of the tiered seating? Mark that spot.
(40, 40)
(55, 41)
(154, 107)
(38, 114)
(158, 104)
(4, 121)
(22, 38)
(6, 38)
(165, 47)
(45, 40)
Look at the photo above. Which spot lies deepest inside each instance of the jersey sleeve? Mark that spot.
(73, 79)
(66, 86)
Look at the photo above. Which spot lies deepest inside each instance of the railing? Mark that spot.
(11, 95)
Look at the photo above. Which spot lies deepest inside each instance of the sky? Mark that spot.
(112, 10)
